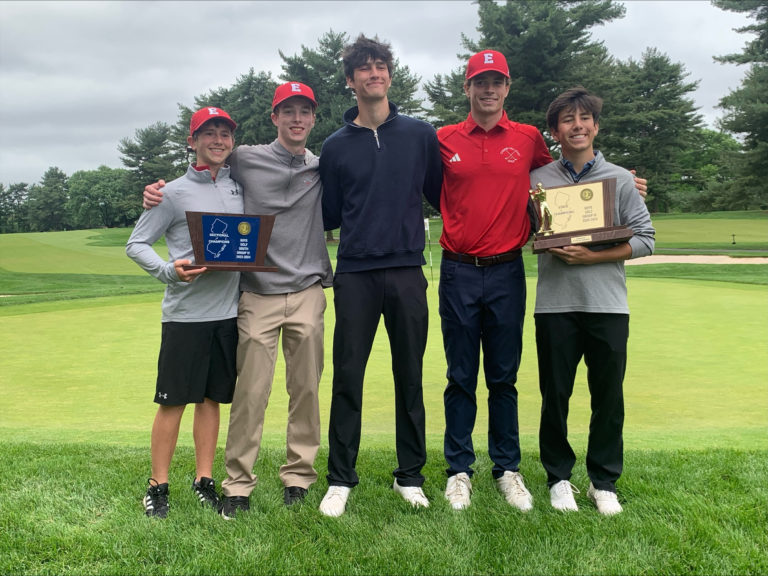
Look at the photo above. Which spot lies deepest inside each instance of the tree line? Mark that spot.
(649, 121)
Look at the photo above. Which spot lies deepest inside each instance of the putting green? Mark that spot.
(697, 372)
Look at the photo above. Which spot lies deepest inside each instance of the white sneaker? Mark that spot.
(414, 495)
(607, 502)
(335, 501)
(513, 488)
(561, 496)
(458, 491)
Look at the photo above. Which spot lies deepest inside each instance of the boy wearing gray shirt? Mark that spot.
(199, 327)
(582, 311)
(280, 178)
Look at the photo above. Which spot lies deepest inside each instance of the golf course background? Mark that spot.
(80, 327)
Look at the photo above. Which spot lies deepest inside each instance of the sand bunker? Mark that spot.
(684, 259)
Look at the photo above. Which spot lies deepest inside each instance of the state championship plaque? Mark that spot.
(230, 242)
(579, 214)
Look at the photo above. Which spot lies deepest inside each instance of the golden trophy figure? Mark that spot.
(539, 197)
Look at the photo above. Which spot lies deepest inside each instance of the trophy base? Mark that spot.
(611, 235)
(231, 267)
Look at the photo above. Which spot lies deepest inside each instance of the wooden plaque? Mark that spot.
(230, 242)
(578, 214)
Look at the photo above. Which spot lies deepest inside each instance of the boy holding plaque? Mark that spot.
(582, 312)
(196, 364)
(280, 178)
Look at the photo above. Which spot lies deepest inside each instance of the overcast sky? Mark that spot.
(76, 77)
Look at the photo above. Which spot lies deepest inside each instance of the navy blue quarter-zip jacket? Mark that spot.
(373, 181)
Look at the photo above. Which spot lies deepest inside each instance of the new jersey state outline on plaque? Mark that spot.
(218, 239)
(588, 215)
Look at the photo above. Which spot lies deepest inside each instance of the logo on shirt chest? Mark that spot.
(510, 155)
(236, 190)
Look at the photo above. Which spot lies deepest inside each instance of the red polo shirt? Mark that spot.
(485, 185)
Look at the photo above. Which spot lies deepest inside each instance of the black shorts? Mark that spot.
(197, 360)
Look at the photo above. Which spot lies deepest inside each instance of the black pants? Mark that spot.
(562, 339)
(360, 299)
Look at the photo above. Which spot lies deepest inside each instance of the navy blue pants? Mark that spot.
(562, 339)
(482, 306)
(360, 299)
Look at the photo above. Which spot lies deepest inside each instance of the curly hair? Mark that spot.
(364, 49)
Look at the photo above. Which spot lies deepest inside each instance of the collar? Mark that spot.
(572, 171)
(203, 168)
(352, 113)
(203, 173)
(504, 123)
(286, 155)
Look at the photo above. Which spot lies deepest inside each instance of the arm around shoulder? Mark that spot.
(331, 199)
(433, 180)
(634, 214)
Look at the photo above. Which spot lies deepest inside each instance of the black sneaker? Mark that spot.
(205, 490)
(156, 500)
(293, 494)
(231, 504)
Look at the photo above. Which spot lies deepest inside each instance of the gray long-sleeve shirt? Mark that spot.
(599, 288)
(213, 295)
(288, 186)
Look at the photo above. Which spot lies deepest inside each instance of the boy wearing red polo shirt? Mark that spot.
(484, 199)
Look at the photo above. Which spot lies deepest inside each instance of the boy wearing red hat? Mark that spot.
(196, 364)
(486, 161)
(280, 178)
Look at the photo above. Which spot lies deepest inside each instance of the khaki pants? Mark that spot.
(261, 319)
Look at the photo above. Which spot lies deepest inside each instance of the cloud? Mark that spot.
(76, 77)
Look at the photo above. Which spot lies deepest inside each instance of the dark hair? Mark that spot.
(364, 49)
(576, 98)
(468, 81)
(215, 122)
(309, 102)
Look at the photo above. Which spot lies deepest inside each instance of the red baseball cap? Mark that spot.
(209, 113)
(487, 61)
(291, 89)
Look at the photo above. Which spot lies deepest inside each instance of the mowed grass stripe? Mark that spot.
(695, 365)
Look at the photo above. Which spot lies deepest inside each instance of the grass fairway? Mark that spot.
(713, 232)
(80, 327)
(697, 364)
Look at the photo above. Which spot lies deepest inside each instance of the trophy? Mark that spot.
(231, 242)
(539, 197)
(579, 214)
